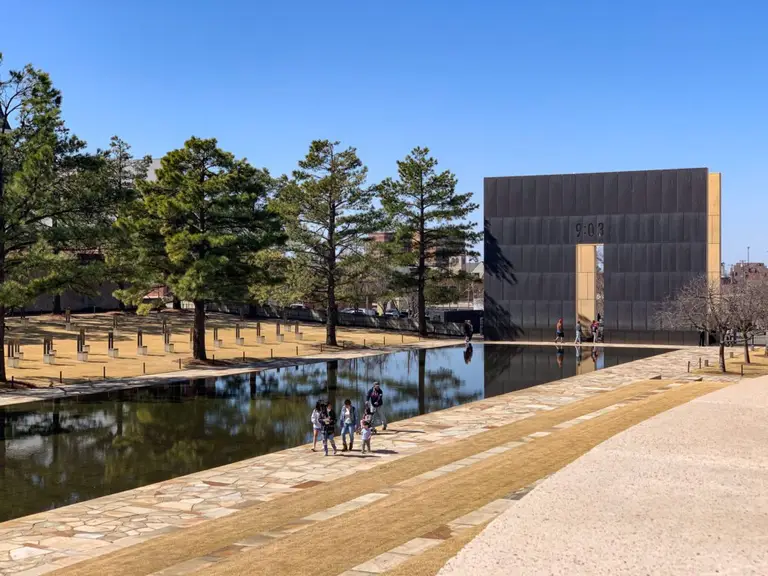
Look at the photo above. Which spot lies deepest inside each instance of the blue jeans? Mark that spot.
(328, 437)
(347, 429)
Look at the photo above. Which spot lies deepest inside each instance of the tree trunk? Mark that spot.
(721, 354)
(57, 303)
(2, 267)
(198, 337)
(422, 274)
(330, 325)
(3, 377)
(176, 303)
(746, 348)
(422, 306)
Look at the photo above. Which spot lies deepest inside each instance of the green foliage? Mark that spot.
(328, 213)
(366, 279)
(428, 216)
(285, 280)
(52, 195)
(198, 228)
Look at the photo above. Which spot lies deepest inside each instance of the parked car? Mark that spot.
(297, 306)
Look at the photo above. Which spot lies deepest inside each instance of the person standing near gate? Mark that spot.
(468, 331)
(559, 332)
(376, 399)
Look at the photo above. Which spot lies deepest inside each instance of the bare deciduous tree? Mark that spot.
(748, 302)
(699, 305)
(705, 305)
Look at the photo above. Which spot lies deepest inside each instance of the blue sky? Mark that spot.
(493, 88)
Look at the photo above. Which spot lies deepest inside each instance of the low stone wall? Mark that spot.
(452, 329)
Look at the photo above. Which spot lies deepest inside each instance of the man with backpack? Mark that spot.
(375, 398)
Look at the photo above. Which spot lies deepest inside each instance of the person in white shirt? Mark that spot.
(317, 426)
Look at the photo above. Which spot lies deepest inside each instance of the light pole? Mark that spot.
(747, 255)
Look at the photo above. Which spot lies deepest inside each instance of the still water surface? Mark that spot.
(64, 451)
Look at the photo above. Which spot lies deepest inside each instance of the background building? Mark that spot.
(743, 271)
(656, 229)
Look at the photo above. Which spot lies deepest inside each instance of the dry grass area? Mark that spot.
(734, 363)
(34, 372)
(405, 513)
(430, 562)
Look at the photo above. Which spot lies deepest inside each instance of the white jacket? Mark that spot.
(315, 419)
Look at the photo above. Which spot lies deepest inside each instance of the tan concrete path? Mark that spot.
(682, 493)
(50, 540)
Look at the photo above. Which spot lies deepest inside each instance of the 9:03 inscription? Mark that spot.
(590, 230)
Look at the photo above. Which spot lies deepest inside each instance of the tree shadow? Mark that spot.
(496, 263)
(497, 322)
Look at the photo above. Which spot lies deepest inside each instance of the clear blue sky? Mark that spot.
(493, 88)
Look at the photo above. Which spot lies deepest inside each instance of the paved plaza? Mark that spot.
(267, 501)
(681, 493)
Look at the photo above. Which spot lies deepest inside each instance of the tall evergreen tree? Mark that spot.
(121, 174)
(199, 227)
(430, 215)
(50, 195)
(328, 213)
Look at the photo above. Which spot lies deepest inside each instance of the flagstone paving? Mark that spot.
(44, 542)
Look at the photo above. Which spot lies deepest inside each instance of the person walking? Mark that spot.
(595, 331)
(317, 426)
(376, 398)
(348, 420)
(329, 427)
(468, 331)
(365, 433)
(578, 332)
(559, 332)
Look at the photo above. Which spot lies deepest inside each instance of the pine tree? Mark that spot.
(430, 216)
(328, 213)
(121, 174)
(51, 195)
(199, 227)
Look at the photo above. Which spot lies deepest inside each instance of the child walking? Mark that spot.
(366, 436)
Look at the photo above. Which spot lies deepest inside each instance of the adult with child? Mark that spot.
(348, 423)
(328, 418)
(375, 398)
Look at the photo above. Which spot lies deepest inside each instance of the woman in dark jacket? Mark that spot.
(329, 427)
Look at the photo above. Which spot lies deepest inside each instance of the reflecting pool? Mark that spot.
(64, 451)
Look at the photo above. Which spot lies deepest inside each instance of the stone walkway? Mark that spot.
(44, 542)
(681, 493)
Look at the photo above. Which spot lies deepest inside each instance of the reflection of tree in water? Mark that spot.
(61, 452)
(45, 449)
